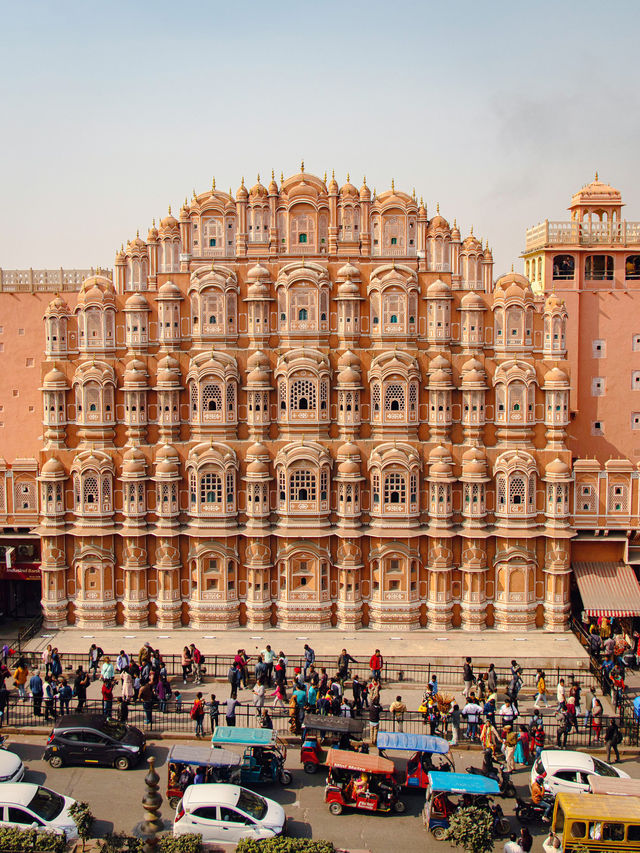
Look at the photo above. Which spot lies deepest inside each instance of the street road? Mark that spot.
(115, 799)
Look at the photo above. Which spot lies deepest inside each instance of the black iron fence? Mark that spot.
(175, 719)
(394, 669)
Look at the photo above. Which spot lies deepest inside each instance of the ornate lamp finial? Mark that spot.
(302, 165)
(213, 184)
(347, 177)
(596, 174)
(258, 180)
(273, 176)
(242, 181)
(169, 210)
(137, 232)
(393, 185)
(512, 268)
(437, 207)
(325, 177)
(364, 180)
(281, 178)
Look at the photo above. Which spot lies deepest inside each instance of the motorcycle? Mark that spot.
(529, 812)
(501, 825)
(499, 774)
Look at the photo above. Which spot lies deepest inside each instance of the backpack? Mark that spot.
(202, 659)
(195, 710)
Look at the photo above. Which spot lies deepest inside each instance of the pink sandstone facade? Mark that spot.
(309, 406)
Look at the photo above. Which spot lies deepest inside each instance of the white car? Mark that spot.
(11, 767)
(25, 805)
(227, 813)
(566, 770)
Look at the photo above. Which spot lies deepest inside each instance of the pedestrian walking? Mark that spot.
(107, 698)
(280, 695)
(508, 713)
(454, 718)
(259, 692)
(268, 657)
(20, 675)
(467, 677)
(492, 679)
(561, 696)
(471, 712)
(596, 719)
(36, 689)
(309, 658)
(564, 726)
(95, 655)
(80, 684)
(230, 711)
(196, 659)
(186, 663)
(234, 677)
(344, 660)
(146, 696)
(357, 695)
(214, 712)
(197, 714)
(49, 699)
(541, 689)
(46, 659)
(122, 661)
(612, 738)
(376, 663)
(510, 743)
(538, 741)
(64, 696)
(398, 709)
(374, 720)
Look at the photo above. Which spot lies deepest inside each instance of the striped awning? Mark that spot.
(608, 589)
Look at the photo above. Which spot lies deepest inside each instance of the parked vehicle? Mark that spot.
(423, 749)
(25, 806)
(227, 813)
(497, 772)
(614, 787)
(598, 822)
(361, 781)
(219, 765)
(341, 732)
(11, 767)
(568, 771)
(470, 790)
(264, 753)
(93, 739)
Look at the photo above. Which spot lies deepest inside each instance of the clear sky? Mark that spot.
(499, 111)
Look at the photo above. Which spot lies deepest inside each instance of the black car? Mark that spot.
(93, 739)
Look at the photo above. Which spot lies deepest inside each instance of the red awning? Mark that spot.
(608, 589)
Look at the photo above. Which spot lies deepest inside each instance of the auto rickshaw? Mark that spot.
(361, 781)
(263, 757)
(421, 763)
(184, 762)
(343, 732)
(471, 790)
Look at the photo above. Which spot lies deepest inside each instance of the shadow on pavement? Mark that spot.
(298, 828)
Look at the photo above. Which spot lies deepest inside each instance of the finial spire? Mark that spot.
(325, 176)
(258, 181)
(194, 193)
(512, 270)
(242, 181)
(348, 177)
(471, 232)
(137, 232)
(273, 175)
(281, 177)
(364, 180)
(393, 185)
(153, 222)
(596, 174)
(213, 184)
(302, 165)
(169, 210)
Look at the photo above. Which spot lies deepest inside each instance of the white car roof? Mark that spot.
(9, 762)
(556, 759)
(17, 793)
(210, 794)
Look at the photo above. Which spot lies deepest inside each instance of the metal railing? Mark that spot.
(175, 720)
(394, 670)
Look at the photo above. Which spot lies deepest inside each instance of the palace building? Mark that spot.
(311, 406)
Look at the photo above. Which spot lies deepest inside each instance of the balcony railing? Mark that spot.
(549, 233)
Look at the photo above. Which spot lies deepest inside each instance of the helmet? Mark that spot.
(540, 779)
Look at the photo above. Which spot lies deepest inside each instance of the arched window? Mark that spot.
(598, 267)
(394, 398)
(563, 267)
(303, 314)
(302, 485)
(632, 267)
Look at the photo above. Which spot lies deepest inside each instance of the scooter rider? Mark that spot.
(539, 797)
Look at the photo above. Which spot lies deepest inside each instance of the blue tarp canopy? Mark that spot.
(412, 743)
(228, 735)
(202, 756)
(462, 783)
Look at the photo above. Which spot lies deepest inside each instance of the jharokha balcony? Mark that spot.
(549, 233)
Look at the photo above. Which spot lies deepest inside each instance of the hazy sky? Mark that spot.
(498, 110)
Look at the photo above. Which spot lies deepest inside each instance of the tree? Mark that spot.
(83, 819)
(472, 829)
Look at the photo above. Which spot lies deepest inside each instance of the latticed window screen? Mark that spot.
(324, 393)
(395, 488)
(193, 393)
(92, 398)
(231, 397)
(303, 305)
(193, 489)
(230, 488)
(163, 497)
(375, 396)
(413, 488)
(302, 485)
(303, 395)
(106, 493)
(394, 397)
(282, 484)
(618, 498)
(587, 500)
(212, 398)
(3, 497)
(212, 310)
(502, 490)
(211, 489)
(324, 484)
(532, 491)
(516, 491)
(393, 308)
(375, 481)
(90, 492)
(442, 496)
(413, 396)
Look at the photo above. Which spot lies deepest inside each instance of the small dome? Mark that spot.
(474, 467)
(55, 379)
(168, 362)
(137, 302)
(257, 272)
(273, 187)
(333, 185)
(439, 468)
(439, 377)
(348, 288)
(349, 271)
(348, 359)
(258, 290)
(52, 467)
(134, 462)
(169, 222)
(439, 363)
(505, 281)
(488, 254)
(455, 232)
(152, 234)
(439, 454)
(57, 305)
(556, 375)
(596, 191)
(166, 460)
(169, 291)
(439, 289)
(257, 467)
(349, 466)
(258, 190)
(242, 194)
(471, 244)
(257, 451)
(348, 190)
(365, 192)
(348, 450)
(258, 376)
(135, 373)
(438, 223)
(553, 302)
(557, 466)
(348, 376)
(470, 365)
(258, 359)
(136, 245)
(472, 302)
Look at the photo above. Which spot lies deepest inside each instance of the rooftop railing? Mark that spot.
(549, 233)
